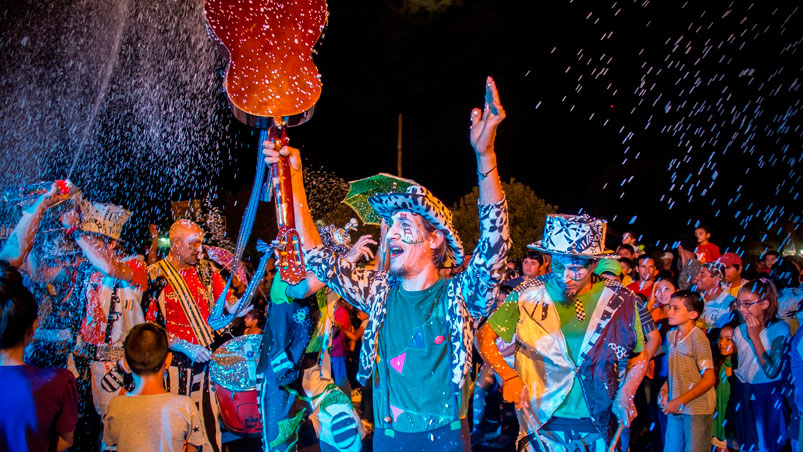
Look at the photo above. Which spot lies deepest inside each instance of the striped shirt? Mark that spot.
(689, 357)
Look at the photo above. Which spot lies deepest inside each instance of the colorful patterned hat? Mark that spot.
(419, 200)
(574, 235)
(103, 219)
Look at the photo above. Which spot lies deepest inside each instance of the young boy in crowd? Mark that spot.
(688, 397)
(706, 251)
(39, 406)
(150, 418)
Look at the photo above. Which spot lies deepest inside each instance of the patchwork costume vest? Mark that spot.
(542, 356)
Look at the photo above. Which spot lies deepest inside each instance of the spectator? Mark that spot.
(535, 264)
(609, 269)
(689, 265)
(629, 238)
(646, 276)
(726, 350)
(796, 364)
(627, 269)
(254, 321)
(784, 275)
(667, 258)
(732, 267)
(150, 418)
(340, 349)
(625, 250)
(658, 370)
(39, 406)
(767, 260)
(705, 251)
(717, 301)
(688, 398)
(756, 410)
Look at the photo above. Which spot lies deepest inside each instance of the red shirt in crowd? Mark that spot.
(641, 287)
(39, 405)
(340, 341)
(707, 253)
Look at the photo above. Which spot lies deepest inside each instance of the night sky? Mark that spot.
(609, 105)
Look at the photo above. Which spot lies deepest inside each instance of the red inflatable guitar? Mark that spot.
(272, 83)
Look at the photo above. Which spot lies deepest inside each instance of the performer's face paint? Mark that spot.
(408, 244)
(186, 246)
(574, 272)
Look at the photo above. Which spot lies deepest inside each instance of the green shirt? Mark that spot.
(278, 290)
(504, 320)
(414, 368)
(574, 405)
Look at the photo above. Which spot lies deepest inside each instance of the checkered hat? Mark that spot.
(419, 200)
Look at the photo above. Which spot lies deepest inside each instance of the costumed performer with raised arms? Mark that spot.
(418, 342)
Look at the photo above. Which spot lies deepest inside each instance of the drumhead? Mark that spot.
(234, 363)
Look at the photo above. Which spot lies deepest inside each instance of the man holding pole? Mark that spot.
(418, 342)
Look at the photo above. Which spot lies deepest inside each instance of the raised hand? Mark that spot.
(360, 249)
(272, 154)
(153, 230)
(53, 196)
(485, 122)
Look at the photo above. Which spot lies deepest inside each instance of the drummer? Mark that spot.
(180, 295)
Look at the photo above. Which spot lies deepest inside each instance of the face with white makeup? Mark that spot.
(414, 245)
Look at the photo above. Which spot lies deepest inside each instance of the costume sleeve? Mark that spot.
(504, 320)
(638, 331)
(357, 286)
(138, 268)
(479, 281)
(647, 324)
(68, 416)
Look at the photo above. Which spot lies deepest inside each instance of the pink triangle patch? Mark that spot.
(395, 412)
(397, 363)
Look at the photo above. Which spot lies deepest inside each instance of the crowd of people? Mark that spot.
(400, 342)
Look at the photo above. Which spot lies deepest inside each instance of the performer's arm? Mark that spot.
(513, 388)
(486, 268)
(20, 241)
(352, 283)
(483, 134)
(305, 225)
(153, 250)
(311, 284)
(623, 407)
(104, 259)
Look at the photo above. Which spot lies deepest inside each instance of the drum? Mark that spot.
(233, 372)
